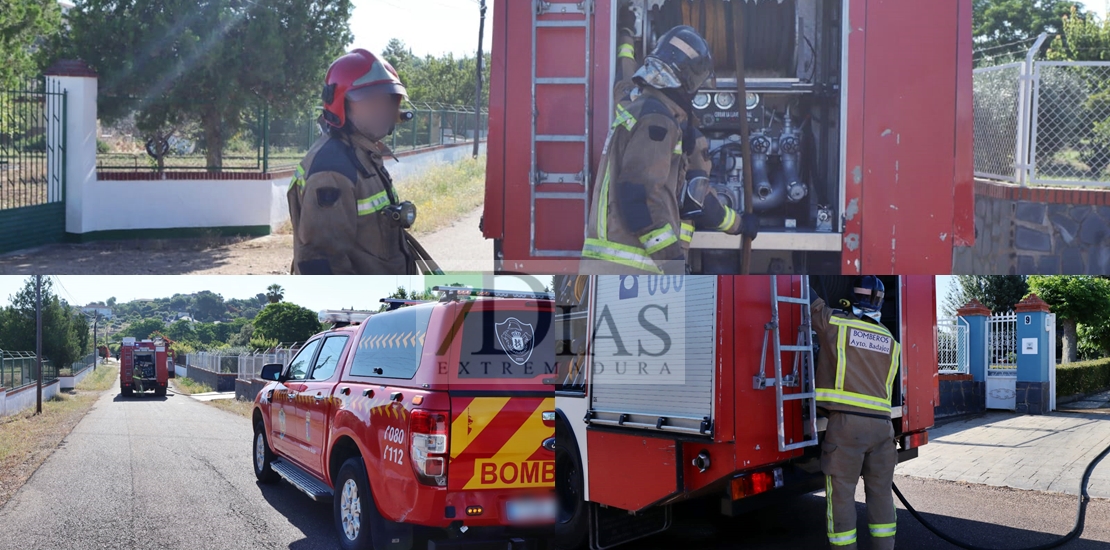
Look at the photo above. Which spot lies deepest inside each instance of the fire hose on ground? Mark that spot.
(1077, 529)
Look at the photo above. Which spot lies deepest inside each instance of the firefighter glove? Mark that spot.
(694, 193)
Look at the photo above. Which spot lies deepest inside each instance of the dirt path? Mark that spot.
(458, 247)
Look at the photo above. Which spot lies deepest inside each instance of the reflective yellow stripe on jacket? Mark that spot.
(838, 394)
(625, 255)
(373, 204)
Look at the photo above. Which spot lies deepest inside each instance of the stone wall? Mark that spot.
(1037, 231)
(960, 394)
(218, 382)
(1033, 397)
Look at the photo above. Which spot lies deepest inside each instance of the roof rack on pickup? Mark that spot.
(397, 303)
(451, 293)
(344, 317)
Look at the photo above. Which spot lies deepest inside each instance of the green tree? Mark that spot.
(1075, 300)
(111, 302)
(206, 333)
(23, 25)
(144, 328)
(1000, 22)
(206, 63)
(274, 293)
(286, 322)
(181, 330)
(64, 335)
(431, 79)
(208, 306)
(998, 292)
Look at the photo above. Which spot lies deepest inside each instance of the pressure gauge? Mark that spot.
(753, 101)
(726, 100)
(701, 100)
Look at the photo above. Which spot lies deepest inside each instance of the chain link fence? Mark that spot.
(20, 368)
(997, 115)
(247, 366)
(1043, 122)
(262, 140)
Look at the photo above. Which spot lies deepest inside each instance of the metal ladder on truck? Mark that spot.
(803, 375)
(538, 177)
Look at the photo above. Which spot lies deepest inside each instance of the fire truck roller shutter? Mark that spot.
(662, 361)
(770, 30)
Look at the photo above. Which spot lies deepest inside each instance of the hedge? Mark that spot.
(1083, 377)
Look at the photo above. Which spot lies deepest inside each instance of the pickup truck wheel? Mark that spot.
(354, 508)
(263, 457)
(571, 525)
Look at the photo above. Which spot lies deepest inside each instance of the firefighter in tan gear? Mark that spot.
(347, 219)
(855, 376)
(653, 187)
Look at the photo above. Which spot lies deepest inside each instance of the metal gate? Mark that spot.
(1002, 361)
(32, 166)
(1050, 327)
(952, 346)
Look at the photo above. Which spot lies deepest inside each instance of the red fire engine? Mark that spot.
(854, 171)
(437, 415)
(143, 366)
(698, 387)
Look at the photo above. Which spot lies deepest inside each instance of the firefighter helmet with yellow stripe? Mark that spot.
(354, 76)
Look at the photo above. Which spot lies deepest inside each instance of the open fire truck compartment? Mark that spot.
(852, 170)
(713, 418)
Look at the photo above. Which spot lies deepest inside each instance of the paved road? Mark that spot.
(987, 516)
(149, 472)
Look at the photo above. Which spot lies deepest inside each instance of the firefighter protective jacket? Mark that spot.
(857, 363)
(336, 203)
(635, 222)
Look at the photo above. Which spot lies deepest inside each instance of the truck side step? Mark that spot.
(314, 488)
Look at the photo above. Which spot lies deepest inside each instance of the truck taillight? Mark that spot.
(429, 445)
(756, 483)
(913, 441)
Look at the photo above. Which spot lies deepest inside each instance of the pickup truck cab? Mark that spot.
(435, 416)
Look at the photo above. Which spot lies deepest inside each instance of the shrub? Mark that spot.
(1083, 377)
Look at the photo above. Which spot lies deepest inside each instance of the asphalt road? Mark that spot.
(990, 517)
(148, 472)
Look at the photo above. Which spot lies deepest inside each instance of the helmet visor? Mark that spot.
(657, 74)
(868, 299)
(358, 94)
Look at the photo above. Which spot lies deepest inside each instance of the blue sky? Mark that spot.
(315, 293)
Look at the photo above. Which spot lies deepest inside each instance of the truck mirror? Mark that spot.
(272, 372)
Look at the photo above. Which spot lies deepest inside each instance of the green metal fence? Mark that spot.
(32, 127)
(20, 368)
(269, 141)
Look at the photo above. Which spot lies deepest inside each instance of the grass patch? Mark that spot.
(188, 386)
(234, 406)
(27, 439)
(445, 192)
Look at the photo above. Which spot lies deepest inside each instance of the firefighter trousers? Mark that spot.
(857, 446)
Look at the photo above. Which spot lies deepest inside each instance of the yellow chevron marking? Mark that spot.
(469, 425)
(510, 467)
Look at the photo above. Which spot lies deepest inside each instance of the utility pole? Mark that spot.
(96, 351)
(478, 95)
(38, 340)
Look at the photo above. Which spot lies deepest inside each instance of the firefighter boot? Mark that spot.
(858, 445)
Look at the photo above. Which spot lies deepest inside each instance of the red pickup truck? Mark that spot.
(429, 421)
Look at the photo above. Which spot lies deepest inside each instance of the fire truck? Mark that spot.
(702, 387)
(859, 115)
(143, 366)
(430, 421)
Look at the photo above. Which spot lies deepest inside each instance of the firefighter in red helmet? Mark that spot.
(347, 218)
